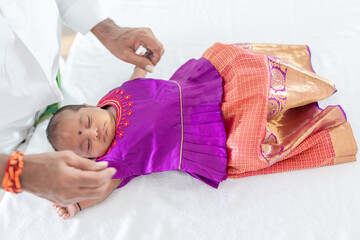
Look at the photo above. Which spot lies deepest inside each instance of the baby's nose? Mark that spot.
(94, 133)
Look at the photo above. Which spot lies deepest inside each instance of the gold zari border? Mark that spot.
(344, 143)
(182, 124)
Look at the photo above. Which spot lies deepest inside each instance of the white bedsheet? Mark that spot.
(321, 203)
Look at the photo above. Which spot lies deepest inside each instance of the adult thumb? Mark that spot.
(140, 61)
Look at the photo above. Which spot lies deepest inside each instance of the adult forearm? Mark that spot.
(30, 169)
(62, 177)
(3, 161)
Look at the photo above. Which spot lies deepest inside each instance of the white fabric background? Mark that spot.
(321, 203)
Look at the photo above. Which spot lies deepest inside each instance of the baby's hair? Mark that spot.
(54, 122)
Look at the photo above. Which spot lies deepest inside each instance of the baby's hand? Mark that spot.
(139, 72)
(65, 212)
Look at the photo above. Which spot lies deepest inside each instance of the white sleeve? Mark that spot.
(12, 134)
(81, 15)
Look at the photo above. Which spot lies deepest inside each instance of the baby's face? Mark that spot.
(88, 132)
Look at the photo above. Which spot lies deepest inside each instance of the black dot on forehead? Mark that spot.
(79, 132)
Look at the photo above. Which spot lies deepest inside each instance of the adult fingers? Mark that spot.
(88, 193)
(75, 193)
(140, 61)
(78, 162)
(146, 38)
(156, 48)
(90, 179)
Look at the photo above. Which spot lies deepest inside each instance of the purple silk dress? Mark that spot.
(169, 125)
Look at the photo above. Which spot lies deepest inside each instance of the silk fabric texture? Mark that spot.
(170, 125)
(271, 115)
(268, 108)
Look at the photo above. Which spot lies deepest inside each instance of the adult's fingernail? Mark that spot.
(113, 171)
(149, 68)
(102, 164)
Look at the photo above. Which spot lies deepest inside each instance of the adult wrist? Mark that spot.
(4, 158)
(106, 30)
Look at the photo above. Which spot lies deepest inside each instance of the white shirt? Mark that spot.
(29, 58)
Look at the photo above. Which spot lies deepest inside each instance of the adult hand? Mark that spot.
(64, 177)
(124, 42)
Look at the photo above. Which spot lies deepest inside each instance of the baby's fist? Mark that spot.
(65, 212)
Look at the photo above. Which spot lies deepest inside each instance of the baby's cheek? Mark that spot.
(79, 152)
(100, 150)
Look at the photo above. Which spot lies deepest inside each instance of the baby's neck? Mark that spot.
(112, 111)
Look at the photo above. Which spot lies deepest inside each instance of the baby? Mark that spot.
(88, 131)
(84, 129)
(232, 113)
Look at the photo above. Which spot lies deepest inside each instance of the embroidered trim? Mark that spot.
(182, 124)
(121, 104)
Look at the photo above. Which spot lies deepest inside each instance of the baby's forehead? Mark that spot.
(66, 119)
(69, 114)
(65, 133)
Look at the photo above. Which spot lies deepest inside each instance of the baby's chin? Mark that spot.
(91, 157)
(98, 154)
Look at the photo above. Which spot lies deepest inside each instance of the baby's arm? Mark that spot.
(71, 210)
(138, 73)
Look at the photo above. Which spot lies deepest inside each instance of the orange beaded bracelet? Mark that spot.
(13, 170)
